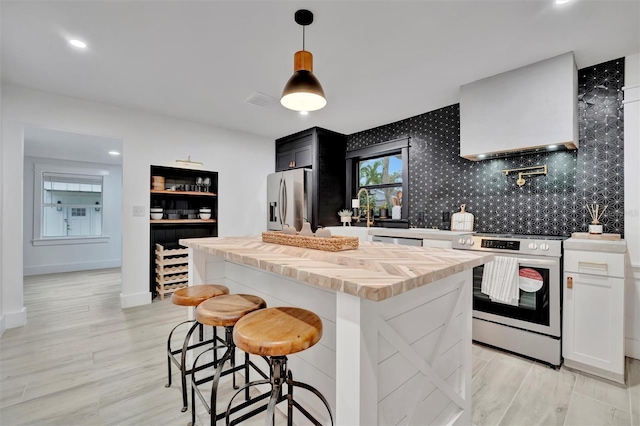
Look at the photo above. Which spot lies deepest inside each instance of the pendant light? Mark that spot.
(303, 91)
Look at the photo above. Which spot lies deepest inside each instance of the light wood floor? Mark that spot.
(511, 390)
(81, 360)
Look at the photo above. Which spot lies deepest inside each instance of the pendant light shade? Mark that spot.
(303, 91)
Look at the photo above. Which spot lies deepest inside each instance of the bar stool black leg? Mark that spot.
(246, 375)
(169, 352)
(289, 399)
(229, 354)
(183, 367)
(215, 342)
(168, 370)
(193, 404)
(280, 374)
(233, 366)
(271, 415)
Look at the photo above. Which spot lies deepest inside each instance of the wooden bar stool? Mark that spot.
(225, 311)
(190, 296)
(276, 333)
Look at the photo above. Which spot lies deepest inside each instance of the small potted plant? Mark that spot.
(384, 210)
(345, 216)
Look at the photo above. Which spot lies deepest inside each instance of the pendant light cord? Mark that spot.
(303, 37)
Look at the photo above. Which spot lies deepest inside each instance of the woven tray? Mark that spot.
(335, 243)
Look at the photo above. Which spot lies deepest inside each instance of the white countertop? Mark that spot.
(421, 233)
(596, 245)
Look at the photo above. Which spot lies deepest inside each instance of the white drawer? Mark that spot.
(594, 263)
(437, 243)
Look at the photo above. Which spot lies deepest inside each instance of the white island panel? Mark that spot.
(409, 355)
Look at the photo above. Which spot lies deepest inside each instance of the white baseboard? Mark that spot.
(2, 325)
(15, 319)
(71, 267)
(632, 348)
(136, 299)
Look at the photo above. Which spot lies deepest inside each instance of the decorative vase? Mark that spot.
(323, 233)
(289, 230)
(345, 220)
(396, 212)
(306, 230)
(595, 229)
(383, 213)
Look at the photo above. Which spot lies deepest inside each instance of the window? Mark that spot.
(67, 204)
(68, 207)
(382, 177)
(382, 169)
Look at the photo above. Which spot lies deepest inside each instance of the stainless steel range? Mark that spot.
(531, 325)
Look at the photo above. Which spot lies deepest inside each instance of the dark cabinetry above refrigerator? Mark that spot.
(322, 151)
(295, 152)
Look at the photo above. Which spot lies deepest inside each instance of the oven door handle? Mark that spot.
(536, 262)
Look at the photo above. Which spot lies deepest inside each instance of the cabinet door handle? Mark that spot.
(569, 282)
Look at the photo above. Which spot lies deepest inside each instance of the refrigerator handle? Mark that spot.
(283, 202)
(280, 201)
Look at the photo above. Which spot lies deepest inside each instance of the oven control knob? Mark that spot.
(533, 246)
(544, 247)
(470, 241)
(462, 241)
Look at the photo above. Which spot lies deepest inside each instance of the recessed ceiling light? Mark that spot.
(78, 43)
(562, 1)
(304, 112)
(552, 146)
(482, 155)
(114, 153)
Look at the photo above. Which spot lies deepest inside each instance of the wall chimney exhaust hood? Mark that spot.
(529, 109)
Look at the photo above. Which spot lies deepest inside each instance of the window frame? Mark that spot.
(393, 147)
(39, 169)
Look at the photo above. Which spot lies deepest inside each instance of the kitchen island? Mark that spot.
(396, 345)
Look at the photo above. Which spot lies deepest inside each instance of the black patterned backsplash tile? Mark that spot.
(440, 180)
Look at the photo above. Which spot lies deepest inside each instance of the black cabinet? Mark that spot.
(323, 151)
(185, 193)
(295, 151)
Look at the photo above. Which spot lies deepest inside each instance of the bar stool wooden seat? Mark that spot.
(225, 311)
(190, 296)
(276, 333)
(196, 294)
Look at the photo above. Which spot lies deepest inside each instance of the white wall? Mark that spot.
(2, 321)
(632, 201)
(74, 257)
(242, 160)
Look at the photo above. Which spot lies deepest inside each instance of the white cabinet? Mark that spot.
(593, 310)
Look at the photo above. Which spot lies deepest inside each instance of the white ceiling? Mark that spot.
(49, 143)
(377, 61)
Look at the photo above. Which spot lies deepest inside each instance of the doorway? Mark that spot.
(72, 201)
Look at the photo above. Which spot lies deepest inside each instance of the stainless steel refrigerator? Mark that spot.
(289, 199)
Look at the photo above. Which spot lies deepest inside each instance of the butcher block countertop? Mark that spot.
(375, 271)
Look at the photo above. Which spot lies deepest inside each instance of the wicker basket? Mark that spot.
(335, 243)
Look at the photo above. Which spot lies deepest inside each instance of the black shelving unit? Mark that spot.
(179, 201)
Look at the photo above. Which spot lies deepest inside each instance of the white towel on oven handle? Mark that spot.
(500, 280)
